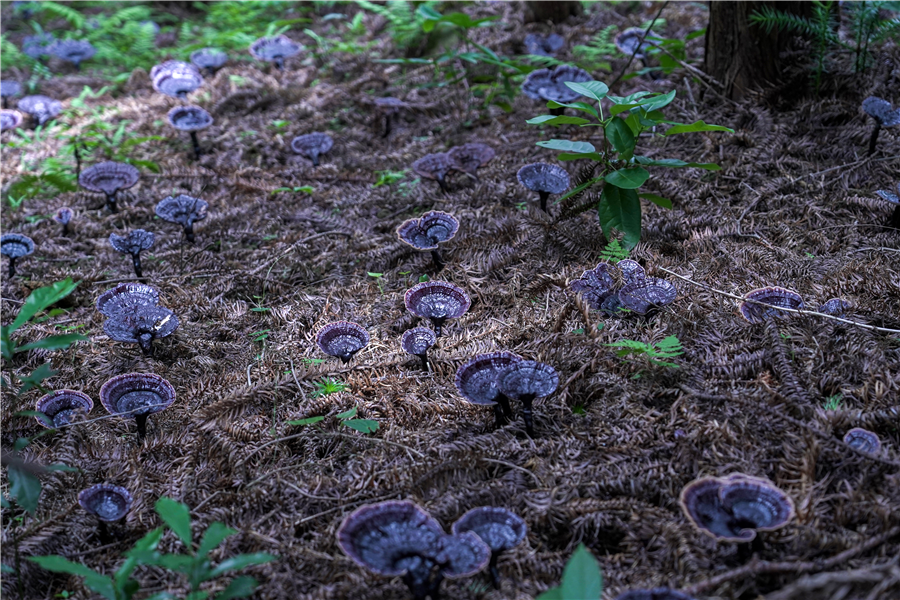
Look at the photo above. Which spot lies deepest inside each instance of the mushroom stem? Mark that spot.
(527, 414)
(494, 571)
(438, 321)
(12, 267)
(503, 401)
(103, 531)
(145, 341)
(189, 232)
(499, 418)
(895, 219)
(196, 145)
(424, 358)
(314, 156)
(544, 196)
(136, 261)
(874, 138)
(279, 63)
(65, 230)
(443, 185)
(111, 203)
(436, 257)
(141, 419)
(5, 103)
(387, 126)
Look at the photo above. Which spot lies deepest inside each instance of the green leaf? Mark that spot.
(54, 342)
(620, 136)
(42, 298)
(694, 127)
(362, 425)
(582, 578)
(557, 120)
(240, 561)
(181, 563)
(620, 209)
(582, 106)
(565, 156)
(675, 163)
(552, 594)
(348, 414)
(307, 421)
(7, 570)
(36, 377)
(657, 200)
(101, 584)
(144, 548)
(629, 179)
(214, 535)
(590, 89)
(568, 146)
(177, 516)
(630, 99)
(240, 587)
(657, 102)
(24, 487)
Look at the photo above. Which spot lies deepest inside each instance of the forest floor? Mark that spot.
(794, 206)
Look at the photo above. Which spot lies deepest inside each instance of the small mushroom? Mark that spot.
(312, 145)
(126, 297)
(543, 45)
(134, 243)
(191, 119)
(527, 380)
(38, 46)
(595, 285)
(63, 216)
(389, 106)
(137, 395)
(545, 179)
(476, 381)
(468, 157)
(428, 231)
(434, 166)
(736, 507)
(14, 246)
(141, 326)
(660, 593)
(895, 200)
(109, 178)
(210, 59)
(63, 407)
(550, 85)
(863, 440)
(342, 339)
(835, 307)
(438, 301)
(883, 114)
(10, 119)
(183, 210)
(632, 41)
(647, 294)
(417, 341)
(631, 271)
(175, 78)
(499, 528)
(40, 108)
(73, 51)
(8, 89)
(765, 302)
(109, 503)
(274, 49)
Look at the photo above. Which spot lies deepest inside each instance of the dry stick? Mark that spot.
(811, 313)
(761, 567)
(326, 434)
(853, 164)
(294, 246)
(638, 47)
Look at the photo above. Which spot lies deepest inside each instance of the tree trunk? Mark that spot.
(557, 12)
(743, 56)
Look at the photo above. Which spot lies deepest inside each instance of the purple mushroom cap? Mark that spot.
(650, 293)
(135, 242)
(468, 157)
(660, 593)
(209, 58)
(595, 285)
(64, 406)
(10, 119)
(476, 380)
(527, 378)
(772, 298)
(126, 297)
(417, 340)
(189, 118)
(836, 307)
(631, 271)
(342, 339)
(73, 51)
(10, 88)
(882, 111)
(176, 79)
(169, 66)
(63, 215)
(41, 108)
(633, 41)
(136, 394)
(274, 49)
(312, 145)
(863, 440)
(550, 84)
(429, 230)
(893, 198)
(433, 166)
(438, 301)
(37, 46)
(16, 245)
(499, 528)
(141, 325)
(182, 209)
(543, 177)
(541, 45)
(462, 555)
(109, 177)
(108, 502)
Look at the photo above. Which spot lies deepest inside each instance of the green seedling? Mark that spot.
(658, 354)
(304, 189)
(833, 402)
(614, 252)
(378, 279)
(581, 580)
(346, 418)
(389, 177)
(328, 386)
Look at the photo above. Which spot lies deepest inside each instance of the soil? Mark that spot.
(794, 206)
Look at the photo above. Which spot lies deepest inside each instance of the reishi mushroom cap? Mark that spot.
(182, 209)
(433, 166)
(550, 84)
(437, 300)
(171, 65)
(498, 527)
(544, 177)
(882, 111)
(543, 45)
(633, 41)
(106, 501)
(429, 230)
(63, 215)
(836, 307)
(631, 271)
(417, 340)
(109, 177)
(527, 378)
(141, 325)
(476, 379)
(16, 245)
(41, 108)
(126, 297)
(468, 157)
(312, 145)
(64, 406)
(863, 440)
(73, 51)
(342, 339)
(189, 118)
(176, 79)
(131, 394)
(274, 48)
(771, 299)
(595, 285)
(10, 119)
(642, 296)
(10, 88)
(135, 242)
(462, 555)
(209, 58)
(36, 46)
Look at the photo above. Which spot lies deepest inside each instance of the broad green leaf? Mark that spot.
(675, 163)
(214, 535)
(177, 516)
(181, 563)
(552, 594)
(629, 179)
(582, 106)
(657, 102)
(620, 136)
(657, 200)
(630, 99)
(591, 155)
(240, 587)
(362, 425)
(589, 89)
(101, 584)
(620, 209)
(24, 487)
(307, 421)
(581, 577)
(568, 146)
(36, 377)
(54, 342)
(348, 414)
(42, 298)
(145, 546)
(557, 120)
(694, 127)
(240, 561)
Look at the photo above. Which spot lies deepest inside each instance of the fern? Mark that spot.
(405, 25)
(658, 354)
(614, 252)
(75, 18)
(595, 55)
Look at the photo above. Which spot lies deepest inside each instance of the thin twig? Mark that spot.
(853, 164)
(294, 247)
(512, 466)
(638, 46)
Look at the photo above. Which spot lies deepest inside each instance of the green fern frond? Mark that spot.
(771, 19)
(614, 252)
(75, 18)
